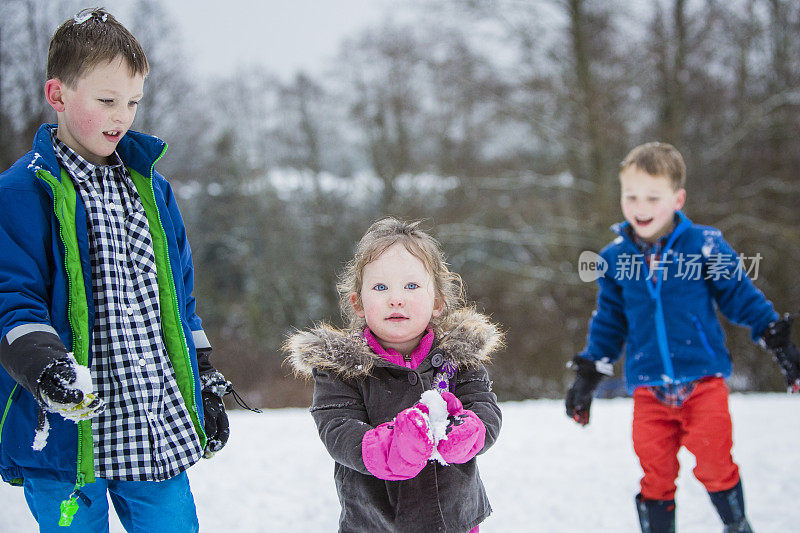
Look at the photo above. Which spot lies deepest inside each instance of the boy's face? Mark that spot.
(95, 113)
(397, 299)
(649, 202)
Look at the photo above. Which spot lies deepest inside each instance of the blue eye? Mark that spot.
(412, 285)
(380, 287)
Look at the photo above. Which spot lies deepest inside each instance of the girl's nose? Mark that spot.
(396, 300)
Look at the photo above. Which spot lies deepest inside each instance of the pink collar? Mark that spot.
(393, 356)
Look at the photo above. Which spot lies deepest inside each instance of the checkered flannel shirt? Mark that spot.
(146, 432)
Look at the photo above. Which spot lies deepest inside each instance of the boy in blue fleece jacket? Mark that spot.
(106, 387)
(665, 278)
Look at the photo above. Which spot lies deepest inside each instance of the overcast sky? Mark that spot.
(284, 35)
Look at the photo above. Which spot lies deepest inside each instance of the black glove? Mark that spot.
(215, 387)
(579, 396)
(215, 423)
(776, 339)
(57, 391)
(53, 384)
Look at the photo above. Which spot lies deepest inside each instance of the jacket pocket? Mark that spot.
(6, 407)
(702, 334)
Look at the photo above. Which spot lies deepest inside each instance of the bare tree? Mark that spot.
(381, 67)
(25, 29)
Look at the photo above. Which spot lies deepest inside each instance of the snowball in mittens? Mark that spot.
(437, 418)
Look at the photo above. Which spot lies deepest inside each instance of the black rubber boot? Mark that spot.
(656, 516)
(730, 506)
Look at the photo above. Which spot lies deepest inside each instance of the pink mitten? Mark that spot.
(399, 449)
(465, 433)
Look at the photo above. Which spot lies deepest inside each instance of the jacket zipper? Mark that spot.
(77, 338)
(77, 343)
(176, 310)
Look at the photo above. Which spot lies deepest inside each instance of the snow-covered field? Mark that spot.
(545, 474)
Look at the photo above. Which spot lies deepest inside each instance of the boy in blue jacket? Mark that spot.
(106, 385)
(664, 280)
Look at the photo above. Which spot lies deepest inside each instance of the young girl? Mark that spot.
(410, 332)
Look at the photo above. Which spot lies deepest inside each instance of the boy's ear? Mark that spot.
(54, 94)
(680, 199)
(355, 302)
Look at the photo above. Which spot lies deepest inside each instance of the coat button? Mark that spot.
(437, 360)
(412, 378)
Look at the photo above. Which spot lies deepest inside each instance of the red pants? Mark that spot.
(702, 424)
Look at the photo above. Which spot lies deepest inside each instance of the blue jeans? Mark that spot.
(142, 506)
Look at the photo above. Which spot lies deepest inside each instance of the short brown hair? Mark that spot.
(91, 37)
(380, 236)
(658, 159)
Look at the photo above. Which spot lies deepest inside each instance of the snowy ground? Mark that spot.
(545, 474)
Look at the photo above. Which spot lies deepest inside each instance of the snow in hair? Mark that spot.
(86, 14)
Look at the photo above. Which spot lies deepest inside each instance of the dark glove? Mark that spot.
(215, 424)
(215, 421)
(777, 339)
(54, 384)
(58, 392)
(579, 396)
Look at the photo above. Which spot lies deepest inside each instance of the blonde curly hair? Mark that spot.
(448, 286)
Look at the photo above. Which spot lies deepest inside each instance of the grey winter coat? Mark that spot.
(356, 390)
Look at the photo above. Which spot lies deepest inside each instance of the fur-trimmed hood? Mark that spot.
(467, 337)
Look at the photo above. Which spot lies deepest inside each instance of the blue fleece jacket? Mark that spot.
(664, 315)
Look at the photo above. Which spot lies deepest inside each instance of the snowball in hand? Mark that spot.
(90, 406)
(437, 418)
